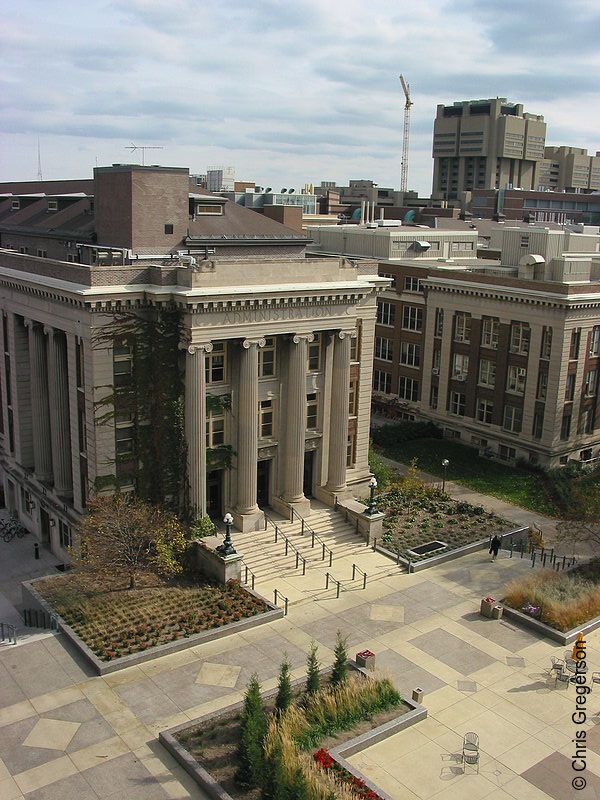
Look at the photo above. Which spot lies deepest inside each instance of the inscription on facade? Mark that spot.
(274, 314)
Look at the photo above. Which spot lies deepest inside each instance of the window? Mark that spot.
(312, 411)
(519, 337)
(506, 453)
(389, 275)
(574, 346)
(570, 387)
(439, 322)
(565, 427)
(487, 372)
(515, 379)
(265, 419)
(52, 205)
(215, 428)
(433, 396)
(586, 421)
(412, 284)
(410, 354)
(485, 409)
(122, 362)
(124, 434)
(546, 342)
(513, 418)
(352, 398)
(354, 346)
(314, 354)
(15, 204)
(437, 360)
(462, 245)
(382, 381)
(266, 358)
(168, 228)
(457, 403)
(595, 341)
(384, 348)
(591, 379)
(42, 253)
(412, 318)
(542, 386)
(215, 210)
(215, 364)
(65, 537)
(351, 450)
(462, 327)
(538, 425)
(408, 388)
(460, 366)
(386, 313)
(489, 332)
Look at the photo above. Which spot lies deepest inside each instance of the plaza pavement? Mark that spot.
(66, 734)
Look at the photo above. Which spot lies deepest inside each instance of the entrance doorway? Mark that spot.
(262, 483)
(214, 483)
(45, 526)
(308, 473)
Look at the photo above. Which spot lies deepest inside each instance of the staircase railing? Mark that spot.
(305, 527)
(288, 544)
(8, 631)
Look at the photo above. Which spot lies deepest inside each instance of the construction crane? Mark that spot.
(404, 163)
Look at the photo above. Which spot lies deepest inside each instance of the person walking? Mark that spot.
(495, 546)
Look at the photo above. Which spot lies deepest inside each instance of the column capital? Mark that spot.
(343, 334)
(258, 341)
(50, 330)
(299, 337)
(196, 347)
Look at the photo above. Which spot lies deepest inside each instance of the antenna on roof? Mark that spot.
(143, 148)
(39, 162)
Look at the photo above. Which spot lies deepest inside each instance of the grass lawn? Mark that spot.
(116, 622)
(517, 486)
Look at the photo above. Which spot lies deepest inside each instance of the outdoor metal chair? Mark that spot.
(470, 750)
(563, 677)
(558, 664)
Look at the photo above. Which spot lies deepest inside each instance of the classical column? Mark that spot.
(295, 426)
(338, 429)
(60, 424)
(247, 451)
(195, 423)
(42, 446)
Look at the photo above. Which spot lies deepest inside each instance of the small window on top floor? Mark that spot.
(15, 204)
(52, 205)
(168, 228)
(211, 210)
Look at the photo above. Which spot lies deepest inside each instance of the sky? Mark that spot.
(287, 92)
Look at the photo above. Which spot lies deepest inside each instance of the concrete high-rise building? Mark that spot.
(569, 169)
(485, 144)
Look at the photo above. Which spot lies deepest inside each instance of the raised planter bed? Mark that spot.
(169, 739)
(32, 599)
(565, 638)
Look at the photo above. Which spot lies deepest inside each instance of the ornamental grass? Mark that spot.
(565, 600)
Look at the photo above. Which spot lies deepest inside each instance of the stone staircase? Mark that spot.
(301, 574)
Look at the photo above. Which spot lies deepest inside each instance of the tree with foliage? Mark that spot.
(284, 688)
(312, 671)
(253, 728)
(339, 671)
(583, 524)
(123, 536)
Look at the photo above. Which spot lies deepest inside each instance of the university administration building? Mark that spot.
(179, 345)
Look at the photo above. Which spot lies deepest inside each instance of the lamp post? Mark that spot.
(371, 509)
(445, 463)
(227, 548)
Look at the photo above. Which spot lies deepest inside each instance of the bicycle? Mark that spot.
(11, 528)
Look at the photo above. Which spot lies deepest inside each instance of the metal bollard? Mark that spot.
(511, 547)
(327, 580)
(276, 532)
(302, 526)
(364, 580)
(353, 571)
(323, 553)
(286, 546)
(533, 560)
(36, 550)
(338, 589)
(304, 566)
(275, 596)
(286, 606)
(253, 581)
(564, 561)
(544, 558)
(330, 557)
(297, 559)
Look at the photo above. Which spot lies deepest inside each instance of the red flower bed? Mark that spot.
(341, 775)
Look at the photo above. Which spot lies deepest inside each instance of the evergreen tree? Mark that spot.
(312, 670)
(275, 783)
(253, 728)
(339, 671)
(284, 691)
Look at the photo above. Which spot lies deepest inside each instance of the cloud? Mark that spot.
(283, 89)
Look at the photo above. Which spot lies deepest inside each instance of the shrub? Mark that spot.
(284, 692)
(253, 727)
(339, 672)
(312, 671)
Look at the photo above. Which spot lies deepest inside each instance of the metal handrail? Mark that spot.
(248, 572)
(356, 568)
(278, 594)
(339, 583)
(314, 536)
(11, 632)
(288, 544)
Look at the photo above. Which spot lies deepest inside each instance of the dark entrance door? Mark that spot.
(45, 525)
(308, 473)
(262, 483)
(214, 482)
